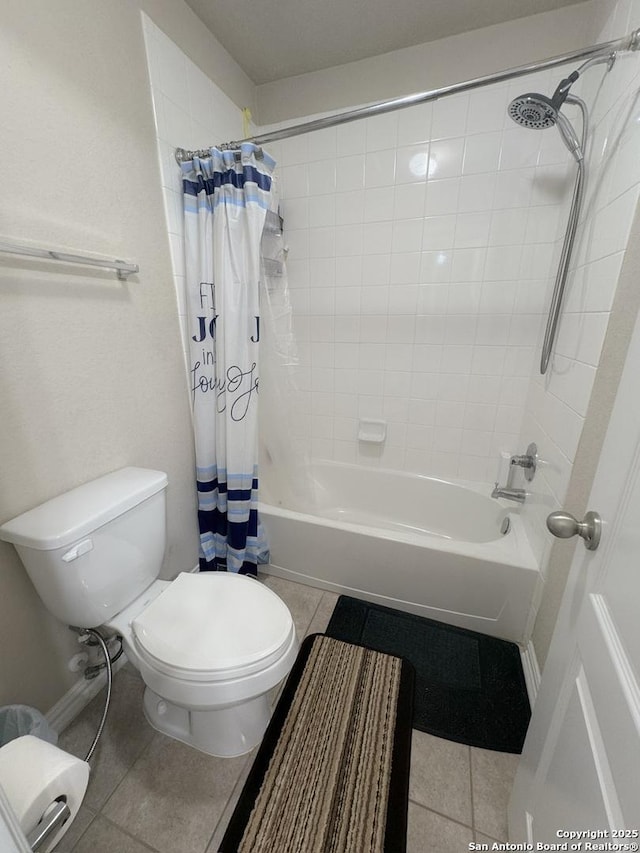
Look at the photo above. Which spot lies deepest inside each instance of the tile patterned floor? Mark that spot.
(150, 793)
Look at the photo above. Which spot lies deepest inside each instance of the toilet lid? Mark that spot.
(212, 622)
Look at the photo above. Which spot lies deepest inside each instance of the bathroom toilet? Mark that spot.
(210, 647)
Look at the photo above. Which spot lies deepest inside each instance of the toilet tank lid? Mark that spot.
(74, 514)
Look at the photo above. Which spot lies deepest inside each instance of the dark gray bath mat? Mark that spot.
(332, 772)
(469, 688)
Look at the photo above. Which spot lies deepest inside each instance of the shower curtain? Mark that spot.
(226, 196)
(284, 465)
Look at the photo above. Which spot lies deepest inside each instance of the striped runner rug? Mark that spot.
(332, 773)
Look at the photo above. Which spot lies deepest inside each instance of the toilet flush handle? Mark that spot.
(78, 550)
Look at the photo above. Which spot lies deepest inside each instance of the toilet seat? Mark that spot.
(212, 627)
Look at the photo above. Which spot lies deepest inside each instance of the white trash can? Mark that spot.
(18, 720)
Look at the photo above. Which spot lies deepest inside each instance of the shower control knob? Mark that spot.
(564, 525)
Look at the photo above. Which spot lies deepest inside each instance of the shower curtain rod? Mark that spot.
(627, 43)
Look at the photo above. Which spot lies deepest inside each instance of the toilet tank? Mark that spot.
(93, 550)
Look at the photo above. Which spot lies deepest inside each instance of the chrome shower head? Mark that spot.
(538, 112)
(533, 110)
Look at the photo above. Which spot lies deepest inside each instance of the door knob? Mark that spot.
(563, 525)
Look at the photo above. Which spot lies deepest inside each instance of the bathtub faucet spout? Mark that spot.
(518, 495)
(529, 462)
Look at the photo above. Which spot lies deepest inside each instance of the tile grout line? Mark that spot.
(242, 778)
(86, 829)
(473, 810)
(440, 814)
(315, 612)
(130, 834)
(129, 769)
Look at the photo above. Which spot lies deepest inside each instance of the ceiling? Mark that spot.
(273, 39)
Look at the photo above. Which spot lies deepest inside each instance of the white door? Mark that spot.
(580, 767)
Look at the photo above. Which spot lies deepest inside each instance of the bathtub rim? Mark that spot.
(314, 548)
(512, 548)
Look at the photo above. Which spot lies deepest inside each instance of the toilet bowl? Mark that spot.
(209, 686)
(210, 647)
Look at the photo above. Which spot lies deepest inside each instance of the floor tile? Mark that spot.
(129, 669)
(301, 600)
(484, 839)
(103, 837)
(492, 775)
(80, 824)
(231, 804)
(174, 796)
(437, 834)
(440, 776)
(318, 624)
(125, 736)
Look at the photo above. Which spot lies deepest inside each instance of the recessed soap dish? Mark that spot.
(372, 431)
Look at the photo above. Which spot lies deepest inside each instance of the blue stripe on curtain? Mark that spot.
(230, 177)
(231, 539)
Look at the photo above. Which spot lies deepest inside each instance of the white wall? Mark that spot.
(92, 376)
(557, 403)
(420, 244)
(431, 65)
(558, 416)
(195, 41)
(190, 112)
(418, 299)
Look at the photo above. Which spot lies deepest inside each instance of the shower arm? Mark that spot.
(567, 246)
(606, 56)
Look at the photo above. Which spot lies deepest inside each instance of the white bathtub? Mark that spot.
(407, 541)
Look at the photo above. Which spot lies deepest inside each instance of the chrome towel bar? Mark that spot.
(122, 268)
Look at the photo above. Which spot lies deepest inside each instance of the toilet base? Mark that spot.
(223, 732)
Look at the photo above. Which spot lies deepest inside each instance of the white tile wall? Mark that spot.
(408, 236)
(557, 403)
